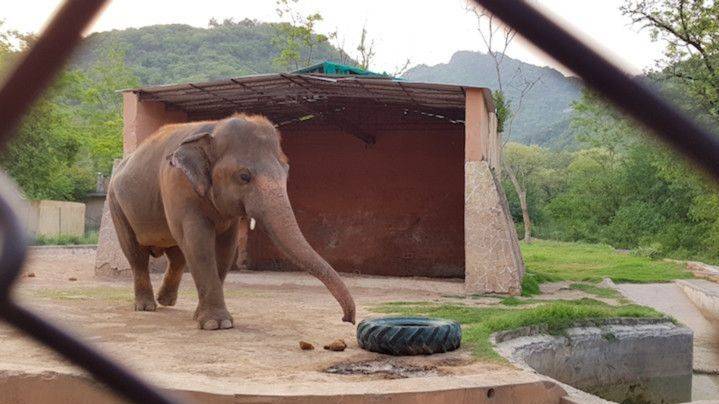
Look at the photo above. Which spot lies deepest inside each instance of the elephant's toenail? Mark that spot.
(211, 325)
(226, 324)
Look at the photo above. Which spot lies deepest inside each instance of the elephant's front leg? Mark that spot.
(198, 246)
(226, 247)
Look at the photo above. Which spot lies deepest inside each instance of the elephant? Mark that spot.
(189, 191)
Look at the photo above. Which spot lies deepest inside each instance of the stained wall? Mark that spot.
(392, 208)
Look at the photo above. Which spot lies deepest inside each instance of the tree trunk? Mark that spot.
(522, 194)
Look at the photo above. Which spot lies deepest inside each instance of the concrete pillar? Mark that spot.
(493, 262)
(141, 119)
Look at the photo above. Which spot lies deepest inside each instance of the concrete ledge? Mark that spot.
(617, 361)
(530, 331)
(704, 295)
(54, 387)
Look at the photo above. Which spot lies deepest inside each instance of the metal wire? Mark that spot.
(48, 55)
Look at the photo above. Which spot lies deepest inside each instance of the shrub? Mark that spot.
(652, 251)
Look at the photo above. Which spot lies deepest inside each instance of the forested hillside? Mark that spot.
(161, 54)
(546, 112)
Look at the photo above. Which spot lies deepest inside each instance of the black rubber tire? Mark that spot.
(408, 335)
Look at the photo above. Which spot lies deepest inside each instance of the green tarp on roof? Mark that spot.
(331, 68)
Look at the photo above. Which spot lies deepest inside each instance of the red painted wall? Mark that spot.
(392, 208)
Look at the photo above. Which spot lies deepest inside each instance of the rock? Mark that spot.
(337, 345)
(607, 283)
(31, 275)
(306, 346)
(72, 279)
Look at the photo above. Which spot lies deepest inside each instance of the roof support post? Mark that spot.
(144, 117)
(493, 262)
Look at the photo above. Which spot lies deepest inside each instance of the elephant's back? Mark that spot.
(169, 137)
(143, 166)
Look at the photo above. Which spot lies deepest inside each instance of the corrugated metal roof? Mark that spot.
(290, 96)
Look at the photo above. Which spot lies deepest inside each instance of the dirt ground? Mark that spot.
(272, 312)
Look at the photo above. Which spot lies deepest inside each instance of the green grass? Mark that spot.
(558, 261)
(515, 301)
(64, 239)
(531, 281)
(596, 290)
(478, 323)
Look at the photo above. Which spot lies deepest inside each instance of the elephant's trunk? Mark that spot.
(272, 209)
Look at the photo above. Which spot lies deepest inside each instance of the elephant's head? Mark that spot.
(240, 167)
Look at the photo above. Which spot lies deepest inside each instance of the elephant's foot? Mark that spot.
(213, 318)
(166, 297)
(145, 303)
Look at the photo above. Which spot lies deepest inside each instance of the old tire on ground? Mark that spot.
(408, 335)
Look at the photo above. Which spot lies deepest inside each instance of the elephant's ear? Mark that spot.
(193, 158)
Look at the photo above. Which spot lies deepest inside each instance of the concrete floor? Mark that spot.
(272, 311)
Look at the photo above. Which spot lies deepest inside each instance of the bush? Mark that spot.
(652, 251)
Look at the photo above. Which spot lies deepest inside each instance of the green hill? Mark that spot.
(544, 118)
(162, 54)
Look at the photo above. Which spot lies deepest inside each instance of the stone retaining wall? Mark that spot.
(704, 295)
(642, 360)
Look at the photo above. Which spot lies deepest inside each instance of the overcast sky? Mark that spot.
(425, 31)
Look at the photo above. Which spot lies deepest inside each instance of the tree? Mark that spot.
(528, 167)
(691, 31)
(45, 156)
(629, 191)
(75, 129)
(97, 107)
(402, 69)
(365, 49)
(296, 38)
(497, 37)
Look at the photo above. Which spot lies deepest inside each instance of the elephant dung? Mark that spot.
(337, 345)
(306, 346)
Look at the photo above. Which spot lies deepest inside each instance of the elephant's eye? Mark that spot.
(245, 175)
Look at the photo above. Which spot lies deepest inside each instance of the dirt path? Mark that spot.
(272, 311)
(669, 298)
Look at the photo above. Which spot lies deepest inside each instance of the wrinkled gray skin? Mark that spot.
(188, 192)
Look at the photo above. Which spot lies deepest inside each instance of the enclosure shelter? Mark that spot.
(388, 177)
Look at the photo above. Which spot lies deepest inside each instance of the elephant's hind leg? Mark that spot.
(136, 255)
(173, 275)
